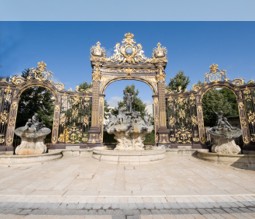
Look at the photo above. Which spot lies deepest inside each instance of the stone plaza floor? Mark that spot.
(180, 186)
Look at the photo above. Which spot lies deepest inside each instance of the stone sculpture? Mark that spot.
(128, 127)
(32, 137)
(224, 135)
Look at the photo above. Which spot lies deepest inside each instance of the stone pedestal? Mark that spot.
(32, 141)
(132, 142)
(226, 146)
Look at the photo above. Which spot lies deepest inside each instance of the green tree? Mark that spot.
(35, 99)
(84, 86)
(179, 82)
(216, 100)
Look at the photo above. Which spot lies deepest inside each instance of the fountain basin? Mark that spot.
(129, 157)
(12, 160)
(243, 161)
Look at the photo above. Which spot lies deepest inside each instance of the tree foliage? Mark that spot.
(35, 99)
(216, 100)
(179, 82)
(83, 86)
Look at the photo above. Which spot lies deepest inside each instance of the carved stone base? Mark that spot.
(163, 136)
(29, 148)
(94, 136)
(132, 142)
(225, 146)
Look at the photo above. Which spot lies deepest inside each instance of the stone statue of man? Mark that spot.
(129, 100)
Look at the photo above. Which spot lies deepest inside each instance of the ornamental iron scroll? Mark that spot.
(215, 75)
(249, 107)
(5, 104)
(75, 119)
(128, 51)
(182, 118)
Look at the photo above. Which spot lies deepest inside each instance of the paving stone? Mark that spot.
(177, 186)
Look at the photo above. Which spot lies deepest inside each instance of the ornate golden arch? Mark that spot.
(40, 77)
(128, 63)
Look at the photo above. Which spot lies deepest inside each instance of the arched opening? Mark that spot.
(220, 100)
(143, 103)
(38, 100)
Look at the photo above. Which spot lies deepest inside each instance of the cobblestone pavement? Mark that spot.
(78, 187)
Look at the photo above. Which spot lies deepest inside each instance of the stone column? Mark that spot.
(56, 116)
(200, 119)
(101, 116)
(163, 132)
(11, 122)
(94, 132)
(156, 116)
(244, 121)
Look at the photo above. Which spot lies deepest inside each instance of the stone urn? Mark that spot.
(32, 137)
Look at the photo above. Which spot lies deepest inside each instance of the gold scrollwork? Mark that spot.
(171, 121)
(183, 135)
(243, 123)
(194, 120)
(40, 73)
(73, 134)
(247, 94)
(202, 139)
(9, 140)
(253, 137)
(251, 117)
(246, 139)
(196, 87)
(17, 80)
(128, 71)
(96, 75)
(161, 76)
(238, 82)
(4, 117)
(59, 86)
(215, 75)
(181, 100)
(240, 106)
(2, 138)
(182, 113)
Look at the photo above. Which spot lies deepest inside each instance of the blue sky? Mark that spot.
(132, 10)
(65, 47)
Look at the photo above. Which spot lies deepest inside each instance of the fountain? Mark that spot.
(32, 148)
(129, 129)
(224, 136)
(224, 149)
(32, 137)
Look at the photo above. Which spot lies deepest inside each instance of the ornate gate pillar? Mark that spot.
(243, 119)
(94, 132)
(162, 132)
(56, 116)
(12, 122)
